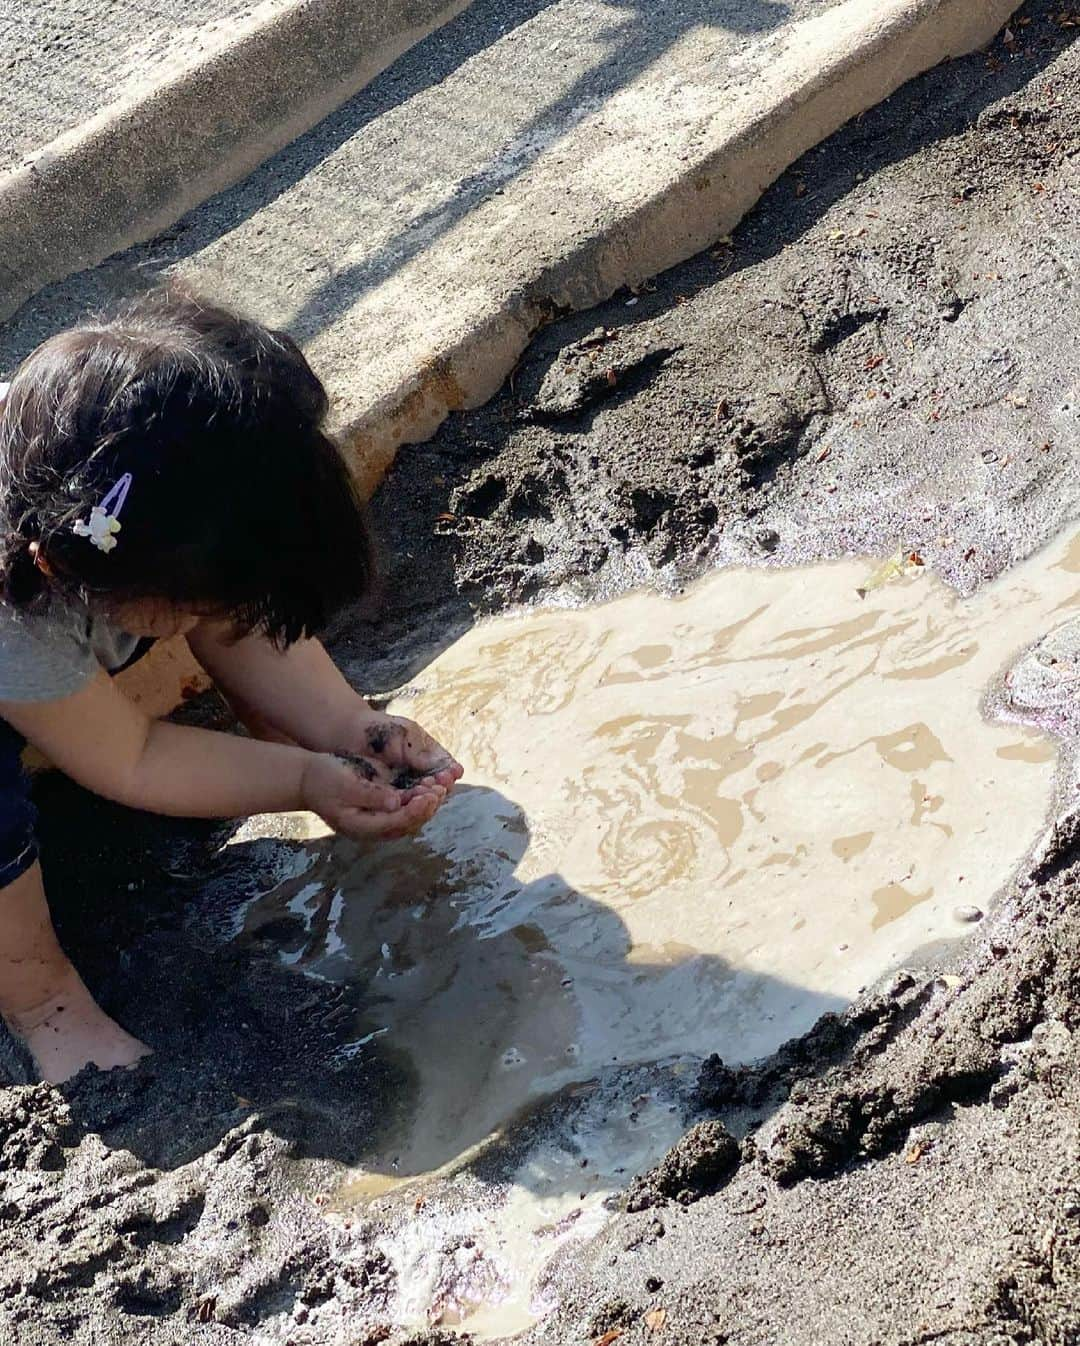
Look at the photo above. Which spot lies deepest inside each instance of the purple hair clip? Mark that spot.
(104, 522)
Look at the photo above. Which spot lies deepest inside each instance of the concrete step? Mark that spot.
(532, 157)
(117, 118)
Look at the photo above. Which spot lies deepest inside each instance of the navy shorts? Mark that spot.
(18, 816)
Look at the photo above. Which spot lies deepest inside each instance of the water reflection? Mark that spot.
(497, 990)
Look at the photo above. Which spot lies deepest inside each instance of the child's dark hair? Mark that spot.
(239, 502)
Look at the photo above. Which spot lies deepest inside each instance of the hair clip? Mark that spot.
(104, 522)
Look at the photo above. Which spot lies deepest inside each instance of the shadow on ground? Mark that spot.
(391, 1008)
(636, 35)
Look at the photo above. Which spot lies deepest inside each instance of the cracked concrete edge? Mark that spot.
(163, 148)
(697, 187)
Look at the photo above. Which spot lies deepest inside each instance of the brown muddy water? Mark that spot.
(689, 825)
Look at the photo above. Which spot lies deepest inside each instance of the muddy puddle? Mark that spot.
(689, 825)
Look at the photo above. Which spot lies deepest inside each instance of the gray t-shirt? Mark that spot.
(44, 658)
(48, 657)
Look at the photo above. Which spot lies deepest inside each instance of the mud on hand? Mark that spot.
(401, 753)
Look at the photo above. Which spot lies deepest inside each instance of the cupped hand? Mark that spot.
(347, 800)
(399, 751)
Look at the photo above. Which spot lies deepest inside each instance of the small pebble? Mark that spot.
(969, 915)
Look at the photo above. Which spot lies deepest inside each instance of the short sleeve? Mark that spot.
(44, 658)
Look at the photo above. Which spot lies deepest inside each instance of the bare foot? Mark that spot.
(69, 1030)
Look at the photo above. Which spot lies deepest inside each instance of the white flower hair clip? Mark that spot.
(104, 522)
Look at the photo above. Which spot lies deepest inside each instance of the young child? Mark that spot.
(165, 471)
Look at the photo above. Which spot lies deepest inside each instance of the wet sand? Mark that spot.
(886, 352)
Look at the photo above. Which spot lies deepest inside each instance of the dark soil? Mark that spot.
(886, 350)
(698, 1165)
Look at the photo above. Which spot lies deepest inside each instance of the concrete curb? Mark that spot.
(145, 159)
(664, 189)
(658, 172)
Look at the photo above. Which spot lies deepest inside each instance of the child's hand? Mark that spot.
(361, 808)
(401, 753)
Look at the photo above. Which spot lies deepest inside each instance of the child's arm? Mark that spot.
(107, 744)
(302, 694)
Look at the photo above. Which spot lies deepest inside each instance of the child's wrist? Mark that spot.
(344, 732)
(307, 784)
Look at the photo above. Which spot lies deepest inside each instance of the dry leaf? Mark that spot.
(914, 1154)
(823, 454)
(874, 362)
(445, 518)
(609, 1337)
(836, 235)
(893, 569)
(655, 1319)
